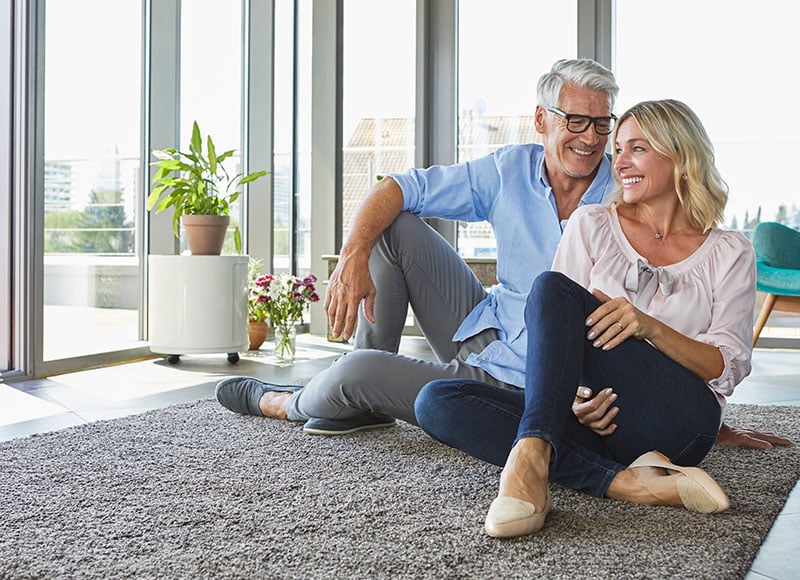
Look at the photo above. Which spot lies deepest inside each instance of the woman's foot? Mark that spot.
(510, 517)
(652, 479)
(523, 501)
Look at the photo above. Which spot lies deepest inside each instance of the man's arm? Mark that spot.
(597, 414)
(350, 282)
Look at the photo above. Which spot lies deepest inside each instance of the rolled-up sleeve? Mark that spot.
(464, 191)
(731, 328)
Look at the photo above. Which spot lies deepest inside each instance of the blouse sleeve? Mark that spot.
(733, 302)
(574, 255)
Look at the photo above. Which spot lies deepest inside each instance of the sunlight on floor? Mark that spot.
(16, 406)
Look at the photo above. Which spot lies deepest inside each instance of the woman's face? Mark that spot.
(645, 173)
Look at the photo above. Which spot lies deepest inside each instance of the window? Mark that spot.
(91, 176)
(503, 49)
(211, 83)
(303, 139)
(284, 137)
(730, 68)
(379, 96)
(6, 187)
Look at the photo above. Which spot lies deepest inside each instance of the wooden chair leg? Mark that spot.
(769, 303)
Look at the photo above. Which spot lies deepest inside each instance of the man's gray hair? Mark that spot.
(582, 73)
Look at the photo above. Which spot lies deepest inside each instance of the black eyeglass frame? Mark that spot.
(589, 121)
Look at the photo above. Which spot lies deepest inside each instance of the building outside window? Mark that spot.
(503, 49)
(379, 96)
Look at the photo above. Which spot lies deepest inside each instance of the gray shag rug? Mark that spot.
(194, 491)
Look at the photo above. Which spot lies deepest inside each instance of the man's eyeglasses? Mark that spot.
(579, 123)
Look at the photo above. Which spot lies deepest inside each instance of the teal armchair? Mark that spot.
(777, 250)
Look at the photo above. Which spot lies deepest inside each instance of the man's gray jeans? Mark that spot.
(410, 264)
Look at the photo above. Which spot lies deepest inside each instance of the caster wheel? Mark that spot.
(173, 358)
(233, 357)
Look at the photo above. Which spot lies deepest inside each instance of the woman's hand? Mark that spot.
(743, 437)
(615, 320)
(596, 413)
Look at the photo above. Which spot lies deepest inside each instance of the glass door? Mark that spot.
(379, 101)
(211, 84)
(92, 176)
(503, 49)
(6, 184)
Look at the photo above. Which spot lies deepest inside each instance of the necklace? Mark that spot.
(660, 236)
(656, 234)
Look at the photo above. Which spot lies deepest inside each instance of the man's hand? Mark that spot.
(349, 284)
(596, 413)
(742, 437)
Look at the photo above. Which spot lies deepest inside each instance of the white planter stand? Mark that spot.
(198, 305)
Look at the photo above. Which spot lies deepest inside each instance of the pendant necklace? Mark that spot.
(657, 235)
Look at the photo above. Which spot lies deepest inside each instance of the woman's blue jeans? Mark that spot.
(662, 405)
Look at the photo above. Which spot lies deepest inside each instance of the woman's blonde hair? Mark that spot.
(675, 131)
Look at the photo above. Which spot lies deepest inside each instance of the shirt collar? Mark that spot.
(601, 187)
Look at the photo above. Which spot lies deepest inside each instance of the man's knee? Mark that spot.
(363, 366)
(406, 221)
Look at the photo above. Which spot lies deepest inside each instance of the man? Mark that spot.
(392, 258)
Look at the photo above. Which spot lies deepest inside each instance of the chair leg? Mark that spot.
(769, 303)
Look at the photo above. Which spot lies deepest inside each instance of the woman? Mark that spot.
(672, 343)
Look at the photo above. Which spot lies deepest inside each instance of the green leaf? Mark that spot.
(237, 239)
(154, 195)
(252, 177)
(197, 142)
(225, 155)
(161, 154)
(212, 156)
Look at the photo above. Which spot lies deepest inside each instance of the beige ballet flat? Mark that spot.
(510, 517)
(698, 490)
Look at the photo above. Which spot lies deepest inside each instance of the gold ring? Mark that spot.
(621, 326)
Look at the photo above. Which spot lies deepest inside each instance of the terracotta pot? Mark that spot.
(205, 233)
(257, 332)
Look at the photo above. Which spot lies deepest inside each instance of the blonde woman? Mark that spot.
(647, 297)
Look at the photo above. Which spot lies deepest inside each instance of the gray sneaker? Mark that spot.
(242, 394)
(317, 426)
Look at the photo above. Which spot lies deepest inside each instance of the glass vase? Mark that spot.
(285, 342)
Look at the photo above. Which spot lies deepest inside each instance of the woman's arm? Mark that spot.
(617, 319)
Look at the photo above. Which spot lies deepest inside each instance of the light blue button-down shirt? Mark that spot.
(510, 190)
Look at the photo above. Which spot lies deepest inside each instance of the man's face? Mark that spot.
(573, 155)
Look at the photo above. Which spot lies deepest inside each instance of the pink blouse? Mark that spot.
(709, 296)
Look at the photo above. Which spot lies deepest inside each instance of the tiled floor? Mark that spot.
(28, 407)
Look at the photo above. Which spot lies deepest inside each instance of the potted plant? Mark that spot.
(199, 189)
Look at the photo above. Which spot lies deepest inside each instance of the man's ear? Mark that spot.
(538, 119)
